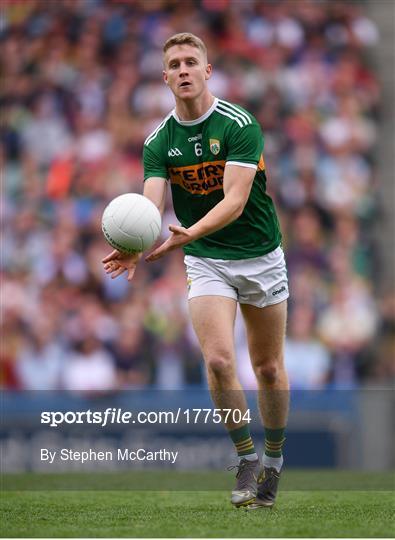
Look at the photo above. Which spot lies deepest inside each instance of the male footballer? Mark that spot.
(210, 152)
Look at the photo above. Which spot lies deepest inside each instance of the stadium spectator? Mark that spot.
(308, 361)
(89, 368)
(133, 356)
(39, 363)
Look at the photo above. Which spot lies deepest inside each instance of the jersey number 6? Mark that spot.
(198, 149)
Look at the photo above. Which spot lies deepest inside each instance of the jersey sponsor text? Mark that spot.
(202, 178)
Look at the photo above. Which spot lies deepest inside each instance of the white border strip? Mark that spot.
(154, 134)
(232, 108)
(220, 111)
(240, 164)
(197, 120)
(235, 114)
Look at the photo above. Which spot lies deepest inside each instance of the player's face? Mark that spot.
(186, 71)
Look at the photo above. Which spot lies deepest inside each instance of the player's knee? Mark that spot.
(219, 364)
(268, 372)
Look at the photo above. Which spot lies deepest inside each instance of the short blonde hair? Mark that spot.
(185, 38)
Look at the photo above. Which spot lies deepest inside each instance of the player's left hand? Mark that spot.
(179, 237)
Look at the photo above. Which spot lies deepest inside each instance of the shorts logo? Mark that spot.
(279, 291)
(215, 146)
(189, 283)
(174, 152)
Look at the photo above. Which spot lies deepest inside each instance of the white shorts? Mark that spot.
(261, 281)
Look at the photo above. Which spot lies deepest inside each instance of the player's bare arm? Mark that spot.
(155, 189)
(237, 186)
(116, 262)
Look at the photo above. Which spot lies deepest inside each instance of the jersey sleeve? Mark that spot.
(154, 162)
(244, 145)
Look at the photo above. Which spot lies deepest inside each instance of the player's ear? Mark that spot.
(165, 77)
(209, 70)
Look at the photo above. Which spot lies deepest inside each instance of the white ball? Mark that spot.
(131, 223)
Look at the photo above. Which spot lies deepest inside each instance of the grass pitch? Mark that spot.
(60, 513)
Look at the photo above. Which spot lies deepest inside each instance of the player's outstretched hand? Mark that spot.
(179, 237)
(116, 263)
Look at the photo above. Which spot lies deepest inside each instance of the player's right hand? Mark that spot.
(116, 263)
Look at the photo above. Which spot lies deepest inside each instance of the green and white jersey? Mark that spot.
(192, 156)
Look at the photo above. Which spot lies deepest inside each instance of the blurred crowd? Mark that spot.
(81, 90)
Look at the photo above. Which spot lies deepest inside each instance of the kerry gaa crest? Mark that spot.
(215, 146)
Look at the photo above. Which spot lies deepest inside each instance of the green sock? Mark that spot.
(242, 440)
(274, 440)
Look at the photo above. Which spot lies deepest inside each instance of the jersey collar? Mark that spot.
(197, 120)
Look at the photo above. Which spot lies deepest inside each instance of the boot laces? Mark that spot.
(271, 477)
(245, 473)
